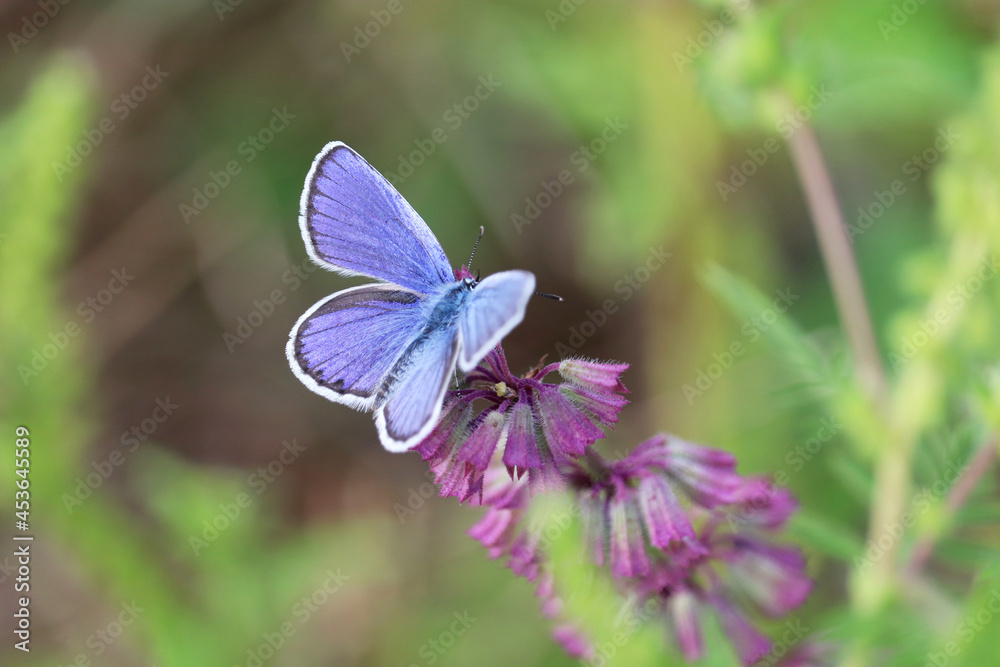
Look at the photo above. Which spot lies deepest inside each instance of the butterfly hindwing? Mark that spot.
(415, 388)
(344, 346)
(353, 221)
(495, 306)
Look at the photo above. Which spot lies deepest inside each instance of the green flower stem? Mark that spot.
(892, 471)
(838, 257)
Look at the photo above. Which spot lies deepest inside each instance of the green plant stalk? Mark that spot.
(838, 257)
(892, 470)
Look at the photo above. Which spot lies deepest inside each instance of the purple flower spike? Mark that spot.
(629, 507)
(688, 561)
(540, 427)
(673, 521)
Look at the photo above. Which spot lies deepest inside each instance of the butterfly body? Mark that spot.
(445, 309)
(390, 347)
(441, 314)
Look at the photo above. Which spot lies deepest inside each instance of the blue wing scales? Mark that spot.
(414, 391)
(353, 221)
(495, 306)
(344, 347)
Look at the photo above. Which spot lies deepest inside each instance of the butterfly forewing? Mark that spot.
(355, 222)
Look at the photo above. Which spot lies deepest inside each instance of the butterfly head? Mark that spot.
(465, 273)
(466, 277)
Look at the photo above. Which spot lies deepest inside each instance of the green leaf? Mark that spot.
(768, 316)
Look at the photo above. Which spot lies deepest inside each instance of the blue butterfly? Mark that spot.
(390, 346)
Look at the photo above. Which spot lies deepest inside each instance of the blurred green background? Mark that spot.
(193, 504)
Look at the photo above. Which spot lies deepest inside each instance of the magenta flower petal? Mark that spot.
(457, 478)
(525, 557)
(707, 475)
(774, 577)
(442, 447)
(683, 607)
(599, 376)
(750, 644)
(450, 429)
(483, 441)
(492, 530)
(662, 513)
(626, 542)
(604, 407)
(545, 591)
(568, 431)
(521, 452)
(594, 525)
(573, 641)
(547, 477)
(761, 503)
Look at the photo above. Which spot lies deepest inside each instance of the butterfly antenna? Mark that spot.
(482, 230)
(554, 297)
